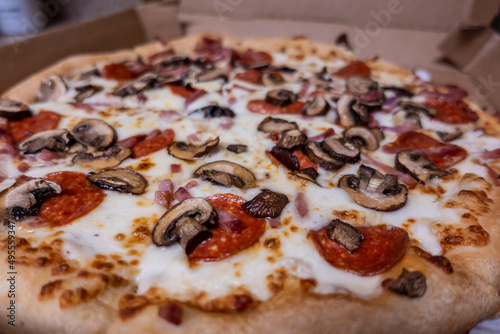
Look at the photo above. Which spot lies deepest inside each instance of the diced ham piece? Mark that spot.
(182, 194)
(163, 198)
(301, 204)
(191, 184)
(195, 137)
(304, 88)
(169, 116)
(194, 96)
(166, 185)
(490, 154)
(273, 222)
(23, 167)
(47, 155)
(171, 312)
(228, 222)
(407, 126)
(226, 123)
(404, 178)
(175, 168)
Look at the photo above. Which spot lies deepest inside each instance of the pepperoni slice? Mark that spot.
(181, 91)
(304, 161)
(78, 198)
(355, 68)
(118, 72)
(251, 76)
(457, 112)
(262, 107)
(252, 57)
(44, 120)
(153, 143)
(224, 243)
(381, 248)
(441, 154)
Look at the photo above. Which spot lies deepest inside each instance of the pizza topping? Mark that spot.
(315, 152)
(262, 107)
(255, 58)
(317, 106)
(209, 74)
(143, 82)
(399, 91)
(44, 120)
(341, 149)
(102, 160)
(119, 179)
(381, 247)
(351, 112)
(360, 85)
(55, 140)
(171, 312)
(321, 79)
(450, 136)
(227, 174)
(13, 110)
(325, 134)
(270, 79)
(280, 97)
(368, 138)
(153, 142)
(356, 68)
(94, 133)
(345, 234)
(214, 111)
(237, 148)
(190, 152)
(292, 138)
(421, 168)
(409, 283)
(286, 157)
(267, 204)
(403, 116)
(25, 197)
(457, 112)
(185, 223)
(51, 89)
(277, 125)
(309, 174)
(371, 189)
(86, 91)
(438, 260)
(417, 108)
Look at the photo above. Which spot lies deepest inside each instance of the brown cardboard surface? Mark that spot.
(479, 13)
(462, 45)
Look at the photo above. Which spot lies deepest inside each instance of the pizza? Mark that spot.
(247, 186)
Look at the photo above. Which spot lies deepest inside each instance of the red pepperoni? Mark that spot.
(441, 154)
(118, 72)
(457, 112)
(153, 144)
(131, 141)
(44, 120)
(304, 161)
(251, 76)
(381, 248)
(181, 91)
(224, 243)
(355, 68)
(262, 107)
(78, 198)
(252, 57)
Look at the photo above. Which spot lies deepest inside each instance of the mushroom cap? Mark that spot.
(402, 116)
(51, 89)
(86, 91)
(190, 152)
(270, 79)
(55, 140)
(417, 166)
(238, 175)
(94, 133)
(271, 124)
(14, 110)
(214, 111)
(267, 204)
(341, 149)
(350, 111)
(292, 138)
(101, 160)
(360, 85)
(280, 97)
(316, 154)
(317, 106)
(119, 179)
(369, 138)
(345, 234)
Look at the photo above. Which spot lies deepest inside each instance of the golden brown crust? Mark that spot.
(453, 303)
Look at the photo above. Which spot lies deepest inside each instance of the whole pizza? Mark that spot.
(217, 185)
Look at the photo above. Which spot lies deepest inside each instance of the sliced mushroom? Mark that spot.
(270, 79)
(341, 149)
(450, 136)
(417, 107)
(368, 138)
(119, 179)
(101, 160)
(360, 85)
(409, 283)
(145, 81)
(317, 106)
(171, 61)
(87, 91)
(258, 65)
(315, 152)
(320, 79)
(292, 138)
(24, 198)
(280, 97)
(351, 112)
(55, 140)
(371, 189)
(190, 152)
(94, 134)
(345, 234)
(237, 148)
(51, 89)
(162, 79)
(85, 75)
(185, 223)
(399, 91)
(402, 116)
(419, 167)
(286, 157)
(309, 174)
(214, 111)
(278, 125)
(209, 74)
(13, 110)
(267, 204)
(238, 175)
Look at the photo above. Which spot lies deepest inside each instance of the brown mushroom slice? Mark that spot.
(417, 107)
(450, 136)
(292, 138)
(51, 88)
(190, 152)
(417, 166)
(25, 197)
(317, 106)
(267, 204)
(351, 112)
(119, 179)
(145, 81)
(410, 283)
(85, 75)
(239, 176)
(286, 157)
(87, 91)
(360, 85)
(237, 148)
(316, 154)
(320, 80)
(13, 110)
(399, 91)
(101, 160)
(341, 149)
(345, 234)
(210, 74)
(214, 111)
(56, 140)
(361, 136)
(309, 174)
(185, 223)
(278, 125)
(270, 79)
(402, 116)
(280, 97)
(94, 133)
(371, 189)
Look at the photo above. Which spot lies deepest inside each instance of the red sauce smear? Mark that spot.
(262, 107)
(44, 120)
(153, 143)
(118, 72)
(356, 68)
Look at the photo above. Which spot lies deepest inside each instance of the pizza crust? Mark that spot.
(453, 303)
